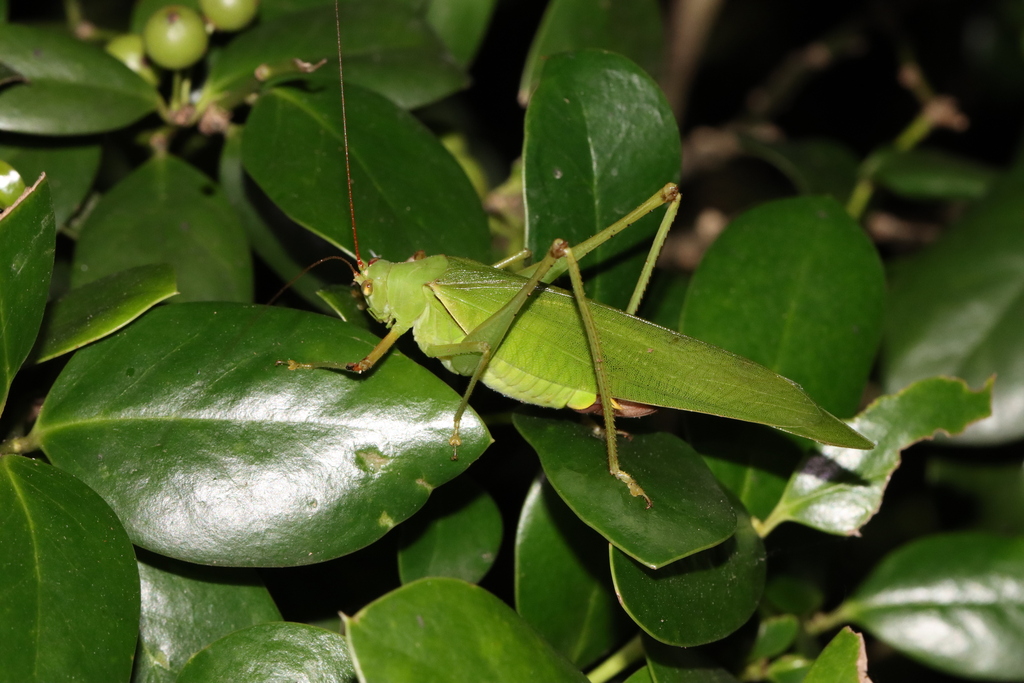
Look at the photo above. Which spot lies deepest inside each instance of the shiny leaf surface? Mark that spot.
(273, 652)
(842, 661)
(166, 211)
(690, 513)
(185, 607)
(69, 590)
(600, 140)
(70, 166)
(72, 88)
(212, 453)
(774, 636)
(27, 234)
(629, 27)
(457, 534)
(839, 489)
(958, 310)
(699, 599)
(669, 664)
(390, 639)
(951, 601)
(796, 286)
(388, 47)
(563, 588)
(102, 307)
(410, 193)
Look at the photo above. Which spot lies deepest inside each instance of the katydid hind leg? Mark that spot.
(600, 374)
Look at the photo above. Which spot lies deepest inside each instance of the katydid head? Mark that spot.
(394, 291)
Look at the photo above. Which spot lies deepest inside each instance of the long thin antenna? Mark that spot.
(344, 135)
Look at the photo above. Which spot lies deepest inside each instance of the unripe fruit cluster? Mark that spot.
(175, 36)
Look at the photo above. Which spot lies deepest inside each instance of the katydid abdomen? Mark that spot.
(545, 360)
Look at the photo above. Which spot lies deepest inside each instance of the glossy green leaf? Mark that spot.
(690, 512)
(347, 303)
(102, 307)
(814, 166)
(796, 286)
(997, 491)
(600, 140)
(273, 652)
(839, 489)
(951, 601)
(563, 588)
(27, 239)
(212, 453)
(72, 88)
(185, 607)
(699, 599)
(774, 636)
(409, 192)
(387, 47)
(461, 24)
(641, 676)
(842, 661)
(629, 27)
(789, 669)
(166, 211)
(407, 636)
(669, 664)
(923, 173)
(69, 590)
(282, 244)
(958, 310)
(70, 166)
(456, 534)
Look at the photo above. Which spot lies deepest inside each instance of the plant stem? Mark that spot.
(19, 444)
(822, 622)
(629, 654)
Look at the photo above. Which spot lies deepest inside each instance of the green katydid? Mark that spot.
(546, 346)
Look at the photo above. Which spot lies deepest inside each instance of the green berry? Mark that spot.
(229, 15)
(175, 37)
(129, 50)
(11, 185)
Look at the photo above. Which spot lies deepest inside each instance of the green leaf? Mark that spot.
(406, 636)
(690, 512)
(461, 24)
(212, 453)
(70, 166)
(273, 652)
(775, 635)
(842, 661)
(73, 88)
(600, 140)
(457, 534)
(958, 310)
(409, 192)
(839, 489)
(102, 307)
(788, 593)
(27, 239)
(629, 27)
(347, 303)
(282, 244)
(814, 166)
(789, 669)
(69, 590)
(641, 676)
(166, 211)
(681, 665)
(951, 601)
(699, 599)
(997, 491)
(923, 173)
(185, 607)
(563, 588)
(796, 286)
(387, 47)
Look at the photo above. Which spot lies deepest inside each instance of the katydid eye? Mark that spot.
(368, 288)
